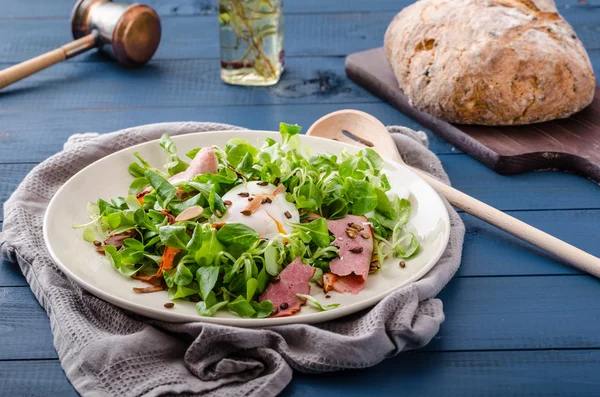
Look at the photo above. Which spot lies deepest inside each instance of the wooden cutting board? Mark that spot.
(571, 144)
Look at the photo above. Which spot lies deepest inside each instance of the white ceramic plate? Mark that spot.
(108, 177)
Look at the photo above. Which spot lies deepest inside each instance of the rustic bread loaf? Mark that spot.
(491, 62)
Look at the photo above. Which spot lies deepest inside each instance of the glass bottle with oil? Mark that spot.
(251, 35)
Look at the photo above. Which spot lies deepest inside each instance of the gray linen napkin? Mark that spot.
(107, 351)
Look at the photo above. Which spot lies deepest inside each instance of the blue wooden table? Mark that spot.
(518, 322)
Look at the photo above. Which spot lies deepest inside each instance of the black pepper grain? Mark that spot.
(284, 306)
(287, 214)
(262, 183)
(243, 194)
(402, 264)
(356, 250)
(169, 305)
(97, 243)
(227, 202)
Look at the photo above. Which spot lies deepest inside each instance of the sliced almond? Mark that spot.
(278, 190)
(252, 207)
(190, 213)
(148, 290)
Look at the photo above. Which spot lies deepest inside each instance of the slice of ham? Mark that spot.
(352, 283)
(349, 272)
(292, 280)
(116, 240)
(205, 162)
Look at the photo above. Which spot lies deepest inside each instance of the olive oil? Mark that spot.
(251, 36)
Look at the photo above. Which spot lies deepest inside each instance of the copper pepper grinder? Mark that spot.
(130, 33)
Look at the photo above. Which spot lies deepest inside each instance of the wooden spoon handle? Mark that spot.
(15, 73)
(578, 258)
(370, 132)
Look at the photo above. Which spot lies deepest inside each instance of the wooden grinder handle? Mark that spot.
(34, 65)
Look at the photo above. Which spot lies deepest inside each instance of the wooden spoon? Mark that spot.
(370, 132)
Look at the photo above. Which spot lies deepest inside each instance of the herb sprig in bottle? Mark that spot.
(251, 35)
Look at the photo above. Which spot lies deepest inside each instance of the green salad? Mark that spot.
(219, 227)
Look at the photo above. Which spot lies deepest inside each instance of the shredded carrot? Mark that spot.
(141, 200)
(168, 257)
(329, 280)
(166, 264)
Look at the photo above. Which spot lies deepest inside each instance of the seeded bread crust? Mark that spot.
(489, 62)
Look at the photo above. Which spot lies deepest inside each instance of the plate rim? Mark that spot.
(174, 317)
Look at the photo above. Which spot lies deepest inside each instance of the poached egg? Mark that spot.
(269, 219)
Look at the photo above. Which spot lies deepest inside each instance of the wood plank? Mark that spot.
(487, 250)
(62, 8)
(207, 7)
(536, 190)
(482, 313)
(35, 379)
(10, 177)
(10, 273)
(183, 83)
(25, 327)
(491, 252)
(177, 8)
(49, 129)
(177, 83)
(532, 191)
(498, 313)
(538, 373)
(198, 37)
(521, 373)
